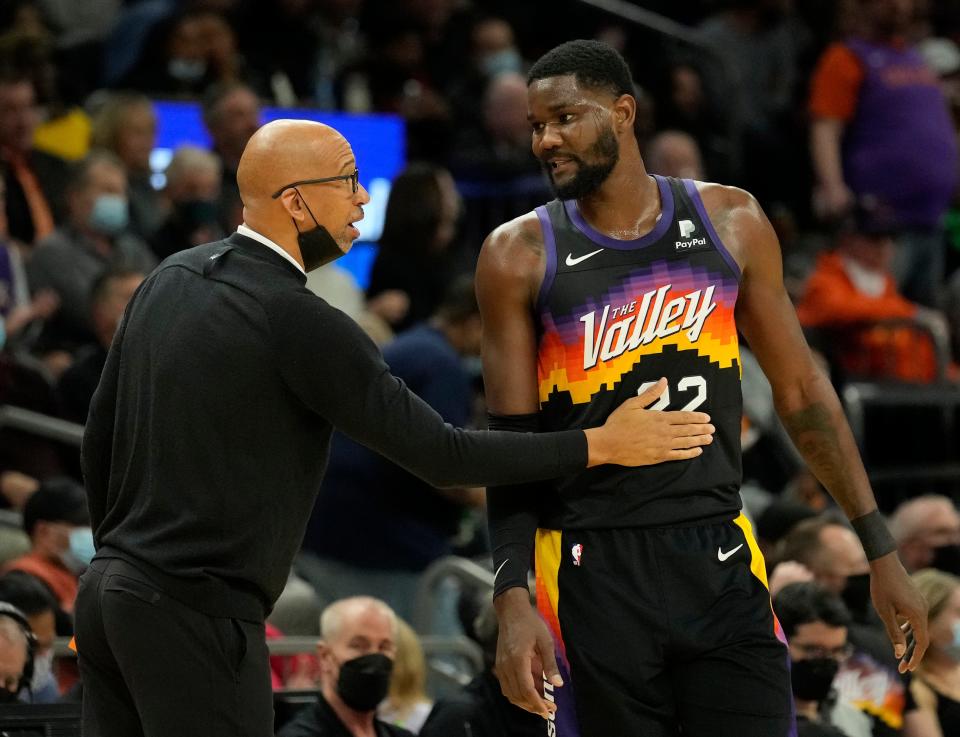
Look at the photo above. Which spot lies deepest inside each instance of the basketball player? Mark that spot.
(648, 579)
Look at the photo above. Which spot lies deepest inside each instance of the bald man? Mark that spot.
(208, 437)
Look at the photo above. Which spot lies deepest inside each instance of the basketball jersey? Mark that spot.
(613, 316)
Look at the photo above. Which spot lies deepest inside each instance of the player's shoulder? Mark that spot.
(522, 232)
(724, 202)
(515, 248)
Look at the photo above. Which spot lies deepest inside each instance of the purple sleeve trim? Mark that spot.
(550, 247)
(694, 193)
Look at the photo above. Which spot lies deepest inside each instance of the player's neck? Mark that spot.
(620, 208)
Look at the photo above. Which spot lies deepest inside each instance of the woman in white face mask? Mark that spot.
(936, 683)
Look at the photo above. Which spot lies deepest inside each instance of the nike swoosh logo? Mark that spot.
(721, 556)
(500, 569)
(571, 261)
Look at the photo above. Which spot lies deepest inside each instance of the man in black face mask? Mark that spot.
(815, 623)
(356, 658)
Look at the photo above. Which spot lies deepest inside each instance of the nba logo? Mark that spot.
(686, 228)
(576, 551)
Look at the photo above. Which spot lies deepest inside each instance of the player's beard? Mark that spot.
(604, 155)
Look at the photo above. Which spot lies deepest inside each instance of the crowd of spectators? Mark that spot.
(841, 117)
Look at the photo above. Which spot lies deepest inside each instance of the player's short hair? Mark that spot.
(806, 602)
(594, 64)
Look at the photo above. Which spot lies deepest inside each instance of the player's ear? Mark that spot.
(624, 113)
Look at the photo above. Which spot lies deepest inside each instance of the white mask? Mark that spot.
(868, 282)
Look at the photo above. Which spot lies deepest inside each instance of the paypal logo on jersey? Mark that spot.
(686, 230)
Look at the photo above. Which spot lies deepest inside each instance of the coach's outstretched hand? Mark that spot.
(894, 595)
(636, 436)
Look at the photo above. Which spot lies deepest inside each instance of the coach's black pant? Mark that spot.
(153, 666)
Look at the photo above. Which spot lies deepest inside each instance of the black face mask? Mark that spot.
(946, 558)
(195, 213)
(317, 246)
(856, 595)
(811, 679)
(364, 681)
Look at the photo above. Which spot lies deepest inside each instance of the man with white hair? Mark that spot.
(14, 656)
(927, 531)
(356, 651)
(193, 191)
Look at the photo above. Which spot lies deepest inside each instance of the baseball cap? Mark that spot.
(58, 499)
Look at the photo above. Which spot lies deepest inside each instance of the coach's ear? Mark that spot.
(624, 113)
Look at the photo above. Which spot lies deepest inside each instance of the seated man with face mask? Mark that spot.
(56, 519)
(356, 651)
(815, 623)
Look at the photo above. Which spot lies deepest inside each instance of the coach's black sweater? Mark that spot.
(209, 433)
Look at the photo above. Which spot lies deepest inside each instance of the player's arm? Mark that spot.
(509, 271)
(808, 405)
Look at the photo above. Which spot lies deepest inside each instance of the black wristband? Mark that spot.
(874, 535)
(512, 522)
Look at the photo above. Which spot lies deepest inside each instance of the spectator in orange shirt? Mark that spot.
(852, 287)
(58, 523)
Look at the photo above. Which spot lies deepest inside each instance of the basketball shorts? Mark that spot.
(663, 631)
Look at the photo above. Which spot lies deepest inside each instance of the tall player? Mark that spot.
(649, 580)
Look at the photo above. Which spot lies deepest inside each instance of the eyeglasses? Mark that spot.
(354, 178)
(839, 654)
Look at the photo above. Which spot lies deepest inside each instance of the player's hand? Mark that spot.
(525, 653)
(896, 598)
(636, 436)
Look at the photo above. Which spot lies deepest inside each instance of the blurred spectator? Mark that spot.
(501, 147)
(193, 194)
(407, 704)
(936, 683)
(18, 310)
(682, 105)
(338, 287)
(493, 53)
(231, 114)
(126, 125)
(33, 598)
(417, 253)
(869, 680)
(56, 519)
(480, 709)
(674, 154)
(14, 656)
(927, 531)
(184, 54)
(109, 296)
(64, 130)
(408, 524)
(881, 134)
(94, 239)
(280, 41)
(81, 31)
(850, 290)
(356, 651)
(342, 43)
(760, 43)
(815, 623)
(35, 181)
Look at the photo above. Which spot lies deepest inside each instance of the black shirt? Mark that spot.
(320, 720)
(209, 433)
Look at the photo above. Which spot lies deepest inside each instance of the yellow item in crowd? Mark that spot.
(66, 136)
